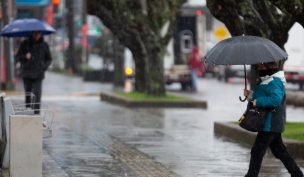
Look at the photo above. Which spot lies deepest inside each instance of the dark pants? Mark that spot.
(33, 86)
(274, 141)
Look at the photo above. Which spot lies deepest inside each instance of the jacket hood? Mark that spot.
(280, 74)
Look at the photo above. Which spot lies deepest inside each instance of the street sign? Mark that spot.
(221, 33)
(32, 2)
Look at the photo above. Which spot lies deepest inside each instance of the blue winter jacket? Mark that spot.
(270, 94)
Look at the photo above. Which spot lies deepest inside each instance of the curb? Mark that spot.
(295, 99)
(119, 100)
(12, 93)
(233, 131)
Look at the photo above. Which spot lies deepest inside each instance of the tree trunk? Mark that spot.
(155, 73)
(140, 73)
(139, 28)
(118, 65)
(149, 73)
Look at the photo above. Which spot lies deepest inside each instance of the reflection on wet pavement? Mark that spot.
(76, 155)
(180, 139)
(91, 138)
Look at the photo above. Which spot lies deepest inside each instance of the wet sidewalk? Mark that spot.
(56, 84)
(96, 139)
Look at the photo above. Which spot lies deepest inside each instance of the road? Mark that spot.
(93, 138)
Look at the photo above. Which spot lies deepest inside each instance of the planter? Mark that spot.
(120, 100)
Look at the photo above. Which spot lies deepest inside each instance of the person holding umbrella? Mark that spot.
(35, 58)
(33, 54)
(270, 94)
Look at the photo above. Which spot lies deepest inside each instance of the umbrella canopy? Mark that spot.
(25, 27)
(244, 50)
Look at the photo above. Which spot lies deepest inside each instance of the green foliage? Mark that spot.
(294, 130)
(142, 96)
(86, 68)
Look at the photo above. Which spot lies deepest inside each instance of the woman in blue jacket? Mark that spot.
(270, 94)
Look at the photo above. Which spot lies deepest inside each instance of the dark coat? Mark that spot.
(40, 61)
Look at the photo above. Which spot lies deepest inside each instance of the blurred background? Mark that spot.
(85, 47)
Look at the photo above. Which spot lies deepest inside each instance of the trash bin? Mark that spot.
(24, 132)
(25, 146)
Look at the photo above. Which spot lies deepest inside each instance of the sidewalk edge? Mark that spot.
(233, 131)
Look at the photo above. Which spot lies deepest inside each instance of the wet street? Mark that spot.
(96, 139)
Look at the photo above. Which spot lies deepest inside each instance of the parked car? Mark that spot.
(231, 71)
(209, 71)
(179, 74)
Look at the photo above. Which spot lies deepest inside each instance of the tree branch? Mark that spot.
(293, 7)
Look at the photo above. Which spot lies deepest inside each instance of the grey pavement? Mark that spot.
(58, 84)
(96, 139)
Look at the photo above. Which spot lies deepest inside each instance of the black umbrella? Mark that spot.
(244, 50)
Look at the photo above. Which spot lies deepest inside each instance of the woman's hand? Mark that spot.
(254, 103)
(28, 56)
(246, 93)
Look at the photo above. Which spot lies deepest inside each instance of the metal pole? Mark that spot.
(84, 24)
(13, 14)
(63, 24)
(71, 65)
(1, 46)
(7, 11)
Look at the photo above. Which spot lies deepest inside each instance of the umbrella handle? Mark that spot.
(243, 100)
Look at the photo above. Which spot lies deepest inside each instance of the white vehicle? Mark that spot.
(231, 71)
(129, 65)
(190, 32)
(95, 62)
(294, 66)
